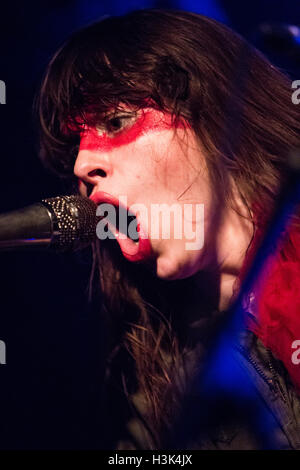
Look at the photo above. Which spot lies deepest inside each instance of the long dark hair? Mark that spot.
(239, 106)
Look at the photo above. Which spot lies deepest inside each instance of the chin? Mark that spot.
(166, 268)
(170, 269)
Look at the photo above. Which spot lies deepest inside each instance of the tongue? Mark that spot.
(128, 246)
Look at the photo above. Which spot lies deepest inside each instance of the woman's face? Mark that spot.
(156, 170)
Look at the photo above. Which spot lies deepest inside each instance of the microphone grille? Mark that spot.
(74, 221)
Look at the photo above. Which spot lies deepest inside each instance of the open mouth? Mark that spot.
(125, 223)
(124, 226)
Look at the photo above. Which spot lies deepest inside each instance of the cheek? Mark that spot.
(170, 161)
(80, 185)
(150, 163)
(157, 167)
(82, 189)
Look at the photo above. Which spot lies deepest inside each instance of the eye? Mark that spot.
(116, 123)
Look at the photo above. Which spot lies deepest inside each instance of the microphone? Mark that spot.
(63, 223)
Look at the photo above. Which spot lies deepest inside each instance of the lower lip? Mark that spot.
(132, 251)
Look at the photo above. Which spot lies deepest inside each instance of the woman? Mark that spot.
(169, 107)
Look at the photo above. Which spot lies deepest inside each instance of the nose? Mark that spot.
(92, 167)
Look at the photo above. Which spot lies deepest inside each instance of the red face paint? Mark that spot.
(149, 120)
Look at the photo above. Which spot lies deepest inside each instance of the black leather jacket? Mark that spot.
(276, 401)
(272, 421)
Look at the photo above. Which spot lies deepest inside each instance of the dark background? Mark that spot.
(51, 387)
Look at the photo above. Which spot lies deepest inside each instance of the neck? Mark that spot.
(234, 236)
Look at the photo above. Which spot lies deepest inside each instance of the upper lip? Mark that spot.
(101, 196)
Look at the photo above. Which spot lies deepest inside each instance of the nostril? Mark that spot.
(98, 172)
